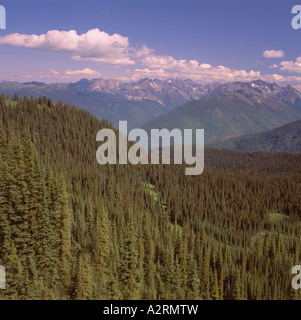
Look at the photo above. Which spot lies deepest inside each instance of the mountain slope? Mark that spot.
(230, 115)
(257, 87)
(144, 100)
(284, 139)
(171, 92)
(72, 229)
(102, 105)
(175, 92)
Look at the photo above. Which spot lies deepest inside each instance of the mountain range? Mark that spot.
(137, 102)
(224, 110)
(250, 109)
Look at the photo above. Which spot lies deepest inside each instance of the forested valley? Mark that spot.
(72, 229)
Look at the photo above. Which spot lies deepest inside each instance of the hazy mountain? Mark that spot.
(142, 101)
(177, 91)
(284, 139)
(259, 88)
(233, 114)
(165, 94)
(137, 102)
(172, 92)
(103, 105)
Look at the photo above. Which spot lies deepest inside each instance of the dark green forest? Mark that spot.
(283, 139)
(72, 229)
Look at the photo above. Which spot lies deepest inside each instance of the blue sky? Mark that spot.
(205, 40)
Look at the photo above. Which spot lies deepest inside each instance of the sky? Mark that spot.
(205, 40)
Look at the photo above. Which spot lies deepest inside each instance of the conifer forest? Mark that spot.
(71, 229)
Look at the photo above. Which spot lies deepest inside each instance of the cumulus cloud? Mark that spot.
(99, 46)
(167, 67)
(151, 73)
(94, 45)
(53, 75)
(143, 52)
(273, 54)
(291, 65)
(278, 78)
(87, 72)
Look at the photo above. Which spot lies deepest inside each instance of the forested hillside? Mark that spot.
(72, 229)
(284, 139)
(100, 104)
(229, 115)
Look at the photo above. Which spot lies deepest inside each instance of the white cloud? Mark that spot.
(94, 45)
(87, 72)
(150, 73)
(273, 54)
(274, 66)
(99, 46)
(278, 78)
(143, 52)
(167, 66)
(53, 75)
(291, 66)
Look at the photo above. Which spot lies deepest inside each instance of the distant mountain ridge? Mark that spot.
(177, 91)
(233, 114)
(145, 100)
(283, 139)
(173, 92)
(101, 104)
(260, 88)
